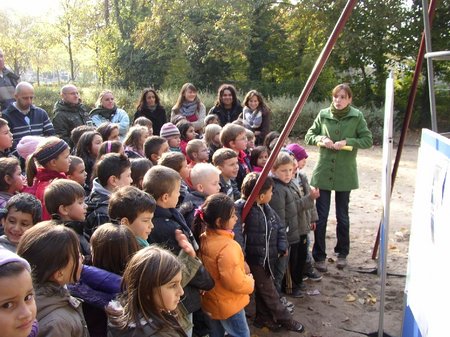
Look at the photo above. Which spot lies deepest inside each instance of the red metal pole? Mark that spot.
(407, 119)
(323, 57)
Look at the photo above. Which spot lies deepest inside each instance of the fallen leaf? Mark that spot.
(350, 298)
(361, 300)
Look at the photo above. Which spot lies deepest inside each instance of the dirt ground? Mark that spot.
(349, 299)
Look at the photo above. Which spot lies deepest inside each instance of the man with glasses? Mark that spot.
(69, 113)
(26, 119)
(8, 82)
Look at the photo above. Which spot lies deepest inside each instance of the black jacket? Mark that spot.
(226, 116)
(158, 117)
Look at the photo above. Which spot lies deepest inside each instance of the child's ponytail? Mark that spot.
(199, 226)
(30, 169)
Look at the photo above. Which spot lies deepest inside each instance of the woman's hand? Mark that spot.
(340, 144)
(328, 143)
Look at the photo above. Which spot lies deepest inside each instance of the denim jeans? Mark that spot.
(235, 326)
(342, 247)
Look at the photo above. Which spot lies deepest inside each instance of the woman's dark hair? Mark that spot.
(184, 127)
(49, 247)
(256, 152)
(112, 247)
(143, 99)
(148, 270)
(216, 206)
(220, 92)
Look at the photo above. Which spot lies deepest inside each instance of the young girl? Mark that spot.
(152, 291)
(87, 149)
(150, 107)
(223, 258)
(6, 138)
(134, 142)
(139, 168)
(258, 158)
(109, 131)
(144, 121)
(110, 146)
(212, 138)
(54, 256)
(52, 156)
(77, 171)
(190, 106)
(11, 181)
(18, 307)
(256, 115)
(187, 133)
(211, 119)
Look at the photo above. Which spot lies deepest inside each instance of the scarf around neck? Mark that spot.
(105, 113)
(339, 113)
(188, 108)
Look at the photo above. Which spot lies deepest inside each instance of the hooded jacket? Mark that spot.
(67, 117)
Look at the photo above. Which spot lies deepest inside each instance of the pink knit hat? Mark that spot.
(298, 151)
(169, 130)
(27, 145)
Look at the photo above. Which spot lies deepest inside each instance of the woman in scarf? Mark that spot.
(189, 106)
(149, 106)
(107, 111)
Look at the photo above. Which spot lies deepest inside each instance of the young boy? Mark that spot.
(113, 171)
(226, 160)
(154, 147)
(171, 133)
(250, 141)
(265, 242)
(197, 152)
(205, 181)
(292, 207)
(23, 211)
(64, 200)
(233, 136)
(177, 161)
(134, 208)
(164, 184)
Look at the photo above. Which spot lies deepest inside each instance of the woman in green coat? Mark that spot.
(340, 131)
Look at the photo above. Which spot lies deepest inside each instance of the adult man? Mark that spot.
(24, 118)
(8, 82)
(69, 113)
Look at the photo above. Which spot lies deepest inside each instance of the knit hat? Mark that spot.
(298, 151)
(27, 145)
(7, 256)
(51, 151)
(169, 130)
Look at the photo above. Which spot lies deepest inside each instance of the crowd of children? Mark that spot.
(148, 233)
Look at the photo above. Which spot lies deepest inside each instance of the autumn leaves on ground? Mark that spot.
(349, 300)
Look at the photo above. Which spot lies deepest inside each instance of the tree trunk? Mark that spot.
(106, 12)
(38, 77)
(69, 40)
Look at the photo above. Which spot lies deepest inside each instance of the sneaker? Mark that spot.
(272, 326)
(286, 303)
(293, 325)
(341, 263)
(305, 278)
(313, 276)
(297, 293)
(321, 266)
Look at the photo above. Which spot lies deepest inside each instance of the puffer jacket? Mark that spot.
(264, 235)
(58, 313)
(67, 117)
(97, 207)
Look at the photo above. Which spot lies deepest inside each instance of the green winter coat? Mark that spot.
(337, 170)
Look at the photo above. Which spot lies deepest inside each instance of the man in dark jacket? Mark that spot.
(8, 83)
(69, 113)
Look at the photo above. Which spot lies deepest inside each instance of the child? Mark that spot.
(258, 158)
(18, 318)
(223, 258)
(113, 171)
(271, 139)
(250, 142)
(265, 241)
(109, 131)
(292, 206)
(64, 200)
(139, 168)
(23, 211)
(76, 133)
(144, 121)
(77, 172)
(52, 154)
(234, 137)
(226, 160)
(110, 146)
(54, 256)
(133, 208)
(164, 184)
(211, 119)
(11, 181)
(212, 138)
(189, 105)
(154, 147)
(6, 138)
(197, 152)
(171, 133)
(301, 180)
(149, 302)
(205, 181)
(177, 161)
(87, 149)
(134, 142)
(187, 133)
(256, 115)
